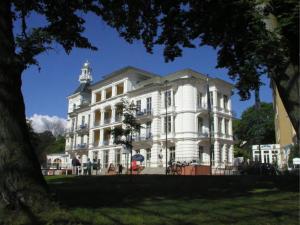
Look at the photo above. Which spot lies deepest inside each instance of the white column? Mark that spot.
(270, 156)
(224, 153)
(114, 92)
(113, 113)
(101, 137)
(102, 117)
(230, 158)
(230, 127)
(215, 99)
(216, 153)
(93, 119)
(216, 127)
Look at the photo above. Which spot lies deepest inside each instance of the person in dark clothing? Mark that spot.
(120, 168)
(89, 167)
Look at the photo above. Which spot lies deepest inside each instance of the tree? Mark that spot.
(131, 127)
(252, 38)
(256, 126)
(237, 29)
(22, 185)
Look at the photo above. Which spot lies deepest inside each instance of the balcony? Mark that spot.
(144, 115)
(70, 132)
(118, 118)
(203, 107)
(146, 137)
(203, 134)
(83, 129)
(107, 120)
(81, 146)
(105, 142)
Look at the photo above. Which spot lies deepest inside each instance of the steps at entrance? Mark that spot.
(153, 170)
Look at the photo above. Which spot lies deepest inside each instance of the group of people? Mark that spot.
(87, 167)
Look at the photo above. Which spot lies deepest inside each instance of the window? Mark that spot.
(200, 154)
(148, 154)
(227, 153)
(73, 124)
(81, 140)
(199, 100)
(148, 129)
(219, 125)
(212, 125)
(219, 100)
(211, 98)
(82, 120)
(149, 105)
(118, 156)
(120, 89)
(167, 121)
(172, 153)
(225, 99)
(105, 158)
(108, 92)
(74, 107)
(138, 106)
(98, 96)
(226, 126)
(221, 153)
(168, 98)
(200, 125)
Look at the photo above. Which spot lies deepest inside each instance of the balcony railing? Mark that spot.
(118, 118)
(97, 123)
(81, 146)
(106, 142)
(203, 134)
(83, 128)
(145, 112)
(107, 120)
(146, 137)
(202, 106)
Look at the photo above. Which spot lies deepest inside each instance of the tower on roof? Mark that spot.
(86, 73)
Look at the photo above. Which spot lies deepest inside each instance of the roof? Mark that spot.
(124, 70)
(83, 87)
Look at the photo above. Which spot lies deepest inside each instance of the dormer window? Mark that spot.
(98, 96)
(120, 89)
(108, 93)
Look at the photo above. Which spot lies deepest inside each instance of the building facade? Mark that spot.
(285, 133)
(178, 100)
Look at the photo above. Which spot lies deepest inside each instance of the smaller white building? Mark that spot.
(268, 154)
(58, 161)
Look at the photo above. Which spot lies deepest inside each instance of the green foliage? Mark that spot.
(256, 126)
(130, 125)
(45, 143)
(294, 153)
(58, 146)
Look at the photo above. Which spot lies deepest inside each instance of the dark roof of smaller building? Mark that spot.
(83, 87)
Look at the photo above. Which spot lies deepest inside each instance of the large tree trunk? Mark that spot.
(22, 185)
(288, 87)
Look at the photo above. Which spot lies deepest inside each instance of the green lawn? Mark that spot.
(175, 200)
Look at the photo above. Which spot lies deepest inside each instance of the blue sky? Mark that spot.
(45, 91)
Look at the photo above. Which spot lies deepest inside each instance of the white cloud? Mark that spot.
(55, 124)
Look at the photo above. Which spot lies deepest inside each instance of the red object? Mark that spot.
(134, 165)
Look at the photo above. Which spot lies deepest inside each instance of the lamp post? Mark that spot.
(166, 126)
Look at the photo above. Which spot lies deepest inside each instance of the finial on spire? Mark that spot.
(86, 76)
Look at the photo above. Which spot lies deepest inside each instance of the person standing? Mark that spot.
(89, 167)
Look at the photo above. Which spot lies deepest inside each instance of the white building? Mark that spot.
(268, 154)
(95, 109)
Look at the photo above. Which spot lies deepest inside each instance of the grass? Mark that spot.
(174, 200)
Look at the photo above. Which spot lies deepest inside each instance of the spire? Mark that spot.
(86, 76)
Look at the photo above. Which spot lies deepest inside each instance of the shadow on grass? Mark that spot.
(100, 191)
